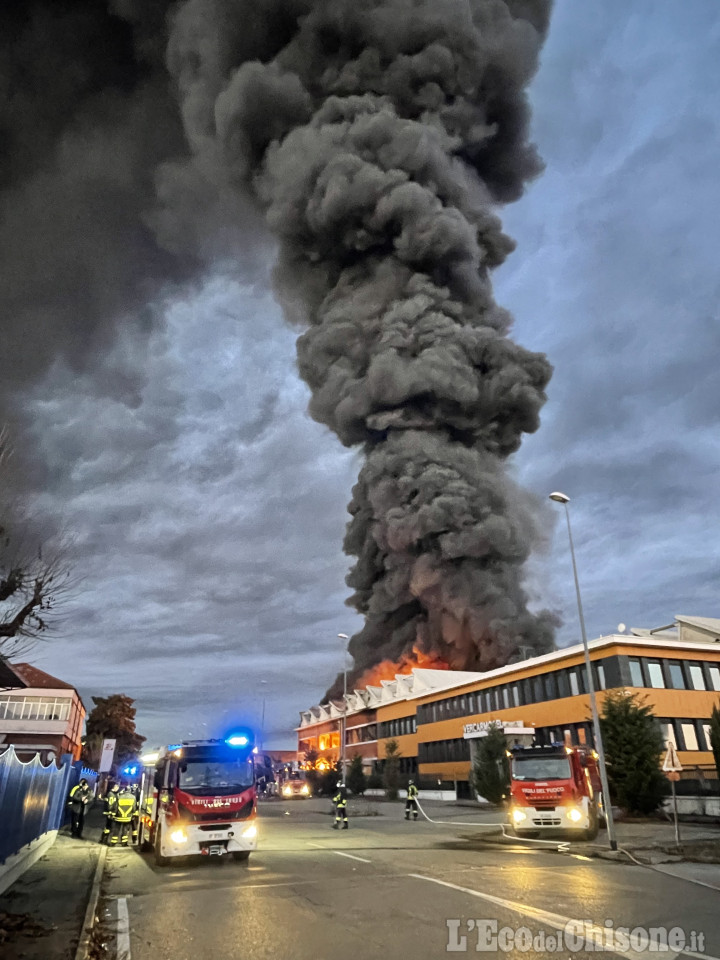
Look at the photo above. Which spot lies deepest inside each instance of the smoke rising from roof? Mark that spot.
(377, 138)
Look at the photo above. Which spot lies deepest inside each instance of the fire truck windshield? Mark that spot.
(541, 768)
(204, 778)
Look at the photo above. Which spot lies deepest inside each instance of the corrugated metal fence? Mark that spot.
(32, 799)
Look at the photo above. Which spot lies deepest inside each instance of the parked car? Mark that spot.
(296, 786)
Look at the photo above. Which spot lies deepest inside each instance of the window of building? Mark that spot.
(706, 734)
(563, 684)
(675, 673)
(697, 680)
(689, 736)
(551, 686)
(506, 697)
(538, 691)
(667, 728)
(599, 676)
(636, 676)
(714, 674)
(655, 674)
(574, 688)
(35, 708)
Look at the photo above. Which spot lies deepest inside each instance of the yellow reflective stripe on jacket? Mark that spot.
(125, 809)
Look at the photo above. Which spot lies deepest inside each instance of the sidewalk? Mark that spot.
(41, 915)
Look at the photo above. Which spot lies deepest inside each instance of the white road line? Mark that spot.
(122, 936)
(600, 937)
(350, 856)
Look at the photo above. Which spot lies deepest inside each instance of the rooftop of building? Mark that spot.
(420, 682)
(23, 676)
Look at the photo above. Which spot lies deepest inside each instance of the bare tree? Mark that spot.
(35, 573)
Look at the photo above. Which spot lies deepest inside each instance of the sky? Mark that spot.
(208, 512)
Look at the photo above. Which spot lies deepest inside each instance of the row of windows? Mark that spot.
(364, 734)
(673, 674)
(444, 751)
(406, 765)
(610, 672)
(399, 727)
(35, 708)
(568, 682)
(686, 734)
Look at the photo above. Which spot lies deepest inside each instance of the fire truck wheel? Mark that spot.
(160, 860)
(241, 855)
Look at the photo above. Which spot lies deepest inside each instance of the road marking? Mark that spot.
(122, 937)
(350, 856)
(601, 937)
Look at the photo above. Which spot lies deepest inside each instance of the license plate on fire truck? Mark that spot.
(216, 836)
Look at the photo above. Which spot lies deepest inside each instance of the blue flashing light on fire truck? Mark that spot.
(199, 798)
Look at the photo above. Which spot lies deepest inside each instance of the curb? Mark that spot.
(89, 920)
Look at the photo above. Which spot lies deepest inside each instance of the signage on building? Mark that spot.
(481, 728)
(107, 756)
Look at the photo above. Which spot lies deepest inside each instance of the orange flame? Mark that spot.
(386, 669)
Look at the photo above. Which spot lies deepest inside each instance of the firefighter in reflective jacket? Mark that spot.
(412, 801)
(109, 804)
(340, 801)
(125, 810)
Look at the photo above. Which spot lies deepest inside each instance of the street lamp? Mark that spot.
(343, 636)
(607, 804)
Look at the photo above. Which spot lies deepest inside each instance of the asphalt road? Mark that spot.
(390, 889)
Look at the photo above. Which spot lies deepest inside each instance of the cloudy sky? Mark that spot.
(208, 513)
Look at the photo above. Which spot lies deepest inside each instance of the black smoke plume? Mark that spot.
(377, 138)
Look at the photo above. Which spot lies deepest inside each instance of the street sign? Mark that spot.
(671, 764)
(107, 756)
(672, 767)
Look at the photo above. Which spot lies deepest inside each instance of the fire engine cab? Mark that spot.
(555, 788)
(199, 798)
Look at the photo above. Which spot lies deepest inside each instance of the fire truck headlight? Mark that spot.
(574, 814)
(305, 789)
(519, 815)
(178, 836)
(287, 791)
(250, 833)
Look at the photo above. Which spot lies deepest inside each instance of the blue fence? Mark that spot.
(32, 799)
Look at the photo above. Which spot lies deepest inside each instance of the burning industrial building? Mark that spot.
(377, 138)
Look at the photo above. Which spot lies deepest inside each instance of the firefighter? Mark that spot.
(122, 817)
(79, 799)
(340, 801)
(412, 801)
(109, 805)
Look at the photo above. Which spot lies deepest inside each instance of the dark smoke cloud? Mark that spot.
(379, 138)
(145, 140)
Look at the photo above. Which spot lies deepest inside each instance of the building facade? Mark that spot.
(39, 713)
(435, 716)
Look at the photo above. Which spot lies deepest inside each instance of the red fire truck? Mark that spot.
(555, 788)
(199, 798)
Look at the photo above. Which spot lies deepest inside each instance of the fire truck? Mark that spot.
(555, 788)
(199, 798)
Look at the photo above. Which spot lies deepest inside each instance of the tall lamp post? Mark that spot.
(343, 636)
(607, 805)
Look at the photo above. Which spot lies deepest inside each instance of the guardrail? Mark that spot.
(32, 800)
